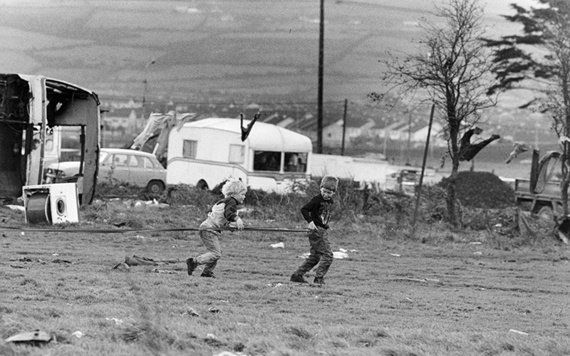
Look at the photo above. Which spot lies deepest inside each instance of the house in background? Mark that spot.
(120, 126)
(436, 136)
(355, 127)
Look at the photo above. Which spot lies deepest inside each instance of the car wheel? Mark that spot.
(155, 187)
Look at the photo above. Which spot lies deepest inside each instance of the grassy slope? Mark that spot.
(393, 296)
(238, 47)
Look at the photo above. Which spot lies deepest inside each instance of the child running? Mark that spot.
(317, 213)
(223, 214)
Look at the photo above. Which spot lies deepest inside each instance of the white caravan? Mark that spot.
(205, 153)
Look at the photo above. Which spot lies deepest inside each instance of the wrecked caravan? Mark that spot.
(205, 153)
(32, 108)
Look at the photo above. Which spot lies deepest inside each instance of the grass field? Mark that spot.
(441, 292)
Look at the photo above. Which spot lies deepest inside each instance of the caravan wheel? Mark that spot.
(202, 185)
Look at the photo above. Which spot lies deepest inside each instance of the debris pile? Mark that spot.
(482, 190)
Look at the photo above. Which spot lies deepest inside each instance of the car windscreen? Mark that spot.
(102, 156)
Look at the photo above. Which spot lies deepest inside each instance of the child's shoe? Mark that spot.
(208, 274)
(191, 263)
(319, 280)
(295, 277)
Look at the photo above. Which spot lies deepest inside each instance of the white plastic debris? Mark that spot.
(395, 255)
(191, 312)
(278, 245)
(117, 321)
(477, 253)
(78, 334)
(16, 207)
(31, 336)
(517, 332)
(165, 271)
(226, 353)
(340, 254)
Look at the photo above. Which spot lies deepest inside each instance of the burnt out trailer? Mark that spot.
(31, 108)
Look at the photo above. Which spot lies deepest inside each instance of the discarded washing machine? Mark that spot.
(51, 203)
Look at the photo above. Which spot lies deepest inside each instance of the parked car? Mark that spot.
(137, 168)
(404, 181)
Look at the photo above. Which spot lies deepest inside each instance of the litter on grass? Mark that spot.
(191, 312)
(336, 254)
(115, 320)
(35, 337)
(340, 254)
(165, 271)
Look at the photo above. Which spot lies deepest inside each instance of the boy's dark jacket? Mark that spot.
(318, 210)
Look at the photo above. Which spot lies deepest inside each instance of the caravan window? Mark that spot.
(295, 162)
(237, 154)
(266, 161)
(189, 148)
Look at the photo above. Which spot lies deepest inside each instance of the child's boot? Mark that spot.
(319, 280)
(298, 278)
(191, 264)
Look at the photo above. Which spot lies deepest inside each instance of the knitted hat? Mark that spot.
(233, 187)
(330, 183)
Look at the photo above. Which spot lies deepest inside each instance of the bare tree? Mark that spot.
(451, 69)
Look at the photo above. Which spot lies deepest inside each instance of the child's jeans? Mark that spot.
(212, 243)
(320, 255)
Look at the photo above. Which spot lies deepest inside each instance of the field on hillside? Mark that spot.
(435, 292)
(233, 47)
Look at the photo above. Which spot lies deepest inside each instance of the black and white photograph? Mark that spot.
(284, 177)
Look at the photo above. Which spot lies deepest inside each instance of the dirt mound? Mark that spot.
(482, 190)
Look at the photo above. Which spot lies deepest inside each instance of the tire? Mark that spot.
(155, 187)
(202, 185)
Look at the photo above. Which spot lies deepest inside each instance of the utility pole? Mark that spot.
(419, 188)
(344, 126)
(408, 146)
(320, 88)
(145, 89)
(143, 110)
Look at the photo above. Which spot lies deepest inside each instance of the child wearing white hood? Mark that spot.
(222, 215)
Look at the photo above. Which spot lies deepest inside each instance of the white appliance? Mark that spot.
(51, 203)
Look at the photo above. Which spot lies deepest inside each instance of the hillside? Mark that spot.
(239, 51)
(203, 49)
